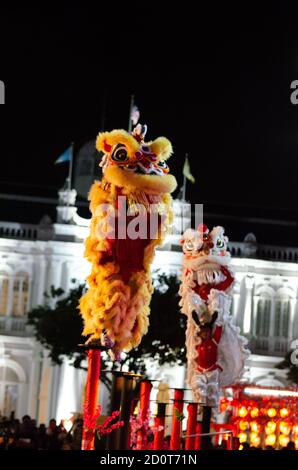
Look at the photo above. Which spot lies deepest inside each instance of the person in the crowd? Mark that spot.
(52, 432)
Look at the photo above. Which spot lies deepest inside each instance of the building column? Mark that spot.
(39, 286)
(54, 275)
(54, 391)
(248, 311)
(34, 384)
(22, 400)
(69, 401)
(236, 298)
(241, 304)
(291, 319)
(295, 320)
(66, 276)
(10, 294)
(45, 390)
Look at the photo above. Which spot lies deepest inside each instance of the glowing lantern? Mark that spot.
(243, 425)
(242, 412)
(271, 412)
(283, 440)
(270, 427)
(255, 439)
(283, 412)
(254, 413)
(254, 426)
(242, 437)
(295, 429)
(270, 440)
(284, 427)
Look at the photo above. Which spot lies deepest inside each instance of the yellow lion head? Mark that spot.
(134, 164)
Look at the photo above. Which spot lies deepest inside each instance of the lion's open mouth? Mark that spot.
(132, 182)
(210, 276)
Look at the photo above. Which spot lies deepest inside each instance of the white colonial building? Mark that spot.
(35, 257)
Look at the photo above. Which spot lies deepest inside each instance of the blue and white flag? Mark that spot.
(66, 156)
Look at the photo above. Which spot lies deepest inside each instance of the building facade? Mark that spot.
(35, 257)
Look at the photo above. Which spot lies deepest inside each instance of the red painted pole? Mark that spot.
(192, 409)
(159, 422)
(91, 396)
(198, 438)
(175, 443)
(145, 390)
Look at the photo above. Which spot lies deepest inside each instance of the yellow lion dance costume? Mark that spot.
(133, 193)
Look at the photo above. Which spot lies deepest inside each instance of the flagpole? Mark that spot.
(70, 168)
(184, 183)
(184, 189)
(132, 98)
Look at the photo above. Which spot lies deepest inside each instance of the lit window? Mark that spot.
(20, 294)
(4, 282)
(263, 316)
(282, 317)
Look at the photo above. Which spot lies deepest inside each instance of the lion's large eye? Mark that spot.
(162, 165)
(189, 245)
(120, 154)
(220, 243)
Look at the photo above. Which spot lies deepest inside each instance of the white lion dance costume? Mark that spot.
(133, 198)
(216, 352)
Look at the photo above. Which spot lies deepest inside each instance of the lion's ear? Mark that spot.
(102, 142)
(162, 147)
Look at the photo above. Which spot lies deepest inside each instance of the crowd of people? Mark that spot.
(23, 434)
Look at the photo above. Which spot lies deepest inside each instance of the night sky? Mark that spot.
(215, 81)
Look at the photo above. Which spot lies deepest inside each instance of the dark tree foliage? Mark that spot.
(59, 328)
(165, 340)
(288, 363)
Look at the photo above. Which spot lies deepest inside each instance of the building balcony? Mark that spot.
(15, 326)
(247, 249)
(276, 346)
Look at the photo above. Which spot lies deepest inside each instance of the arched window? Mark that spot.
(9, 389)
(20, 294)
(263, 315)
(4, 283)
(282, 317)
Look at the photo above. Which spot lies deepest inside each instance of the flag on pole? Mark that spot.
(135, 115)
(65, 157)
(186, 171)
